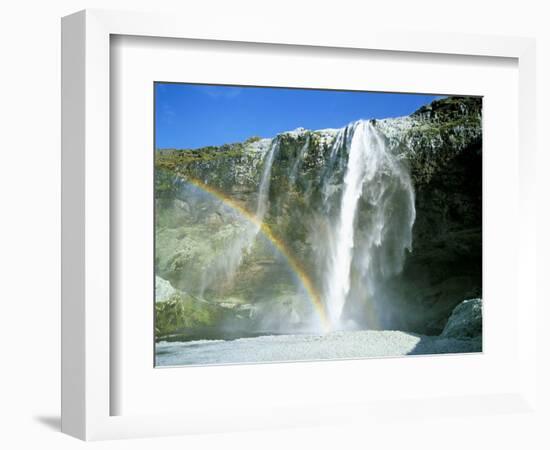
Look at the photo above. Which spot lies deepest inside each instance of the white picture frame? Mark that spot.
(88, 327)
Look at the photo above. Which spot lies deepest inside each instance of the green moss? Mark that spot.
(172, 160)
(252, 139)
(165, 187)
(184, 313)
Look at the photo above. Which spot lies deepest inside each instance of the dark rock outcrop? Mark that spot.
(445, 266)
(465, 321)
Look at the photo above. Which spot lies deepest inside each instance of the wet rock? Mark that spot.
(163, 289)
(465, 321)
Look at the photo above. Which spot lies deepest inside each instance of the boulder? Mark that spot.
(163, 289)
(465, 321)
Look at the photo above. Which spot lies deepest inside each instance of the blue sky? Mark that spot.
(193, 115)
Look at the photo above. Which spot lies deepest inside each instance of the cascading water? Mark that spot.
(371, 246)
(359, 232)
(298, 161)
(265, 181)
(226, 267)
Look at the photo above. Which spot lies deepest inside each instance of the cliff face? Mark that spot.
(207, 251)
(443, 147)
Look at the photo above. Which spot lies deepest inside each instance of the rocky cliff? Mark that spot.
(226, 272)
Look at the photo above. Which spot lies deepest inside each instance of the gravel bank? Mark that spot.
(337, 345)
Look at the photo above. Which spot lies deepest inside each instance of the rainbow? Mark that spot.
(281, 246)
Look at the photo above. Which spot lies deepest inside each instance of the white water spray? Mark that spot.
(374, 175)
(226, 267)
(298, 161)
(265, 182)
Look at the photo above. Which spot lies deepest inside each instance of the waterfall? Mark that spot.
(371, 246)
(265, 181)
(359, 228)
(298, 161)
(225, 268)
(246, 240)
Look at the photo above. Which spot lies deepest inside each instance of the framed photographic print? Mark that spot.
(303, 217)
(300, 246)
